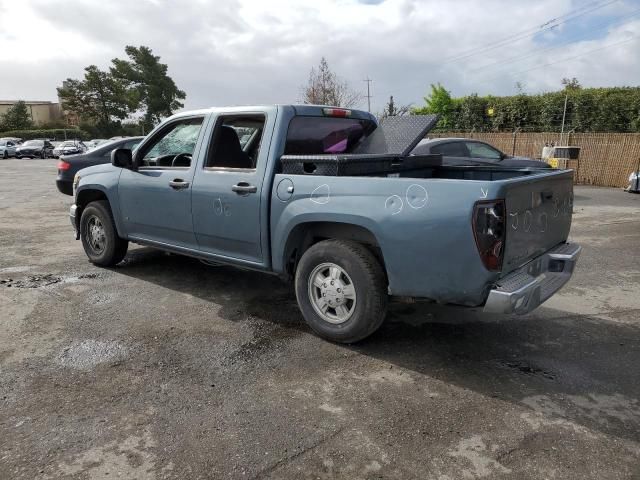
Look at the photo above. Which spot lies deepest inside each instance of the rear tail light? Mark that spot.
(489, 232)
(62, 165)
(336, 112)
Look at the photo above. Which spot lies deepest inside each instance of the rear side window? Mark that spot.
(451, 149)
(317, 135)
(480, 150)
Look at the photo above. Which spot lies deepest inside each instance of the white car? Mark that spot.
(69, 147)
(7, 148)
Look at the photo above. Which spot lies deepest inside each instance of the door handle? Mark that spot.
(178, 184)
(243, 188)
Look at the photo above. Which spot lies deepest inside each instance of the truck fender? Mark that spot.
(90, 193)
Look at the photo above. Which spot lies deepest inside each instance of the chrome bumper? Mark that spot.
(72, 218)
(526, 288)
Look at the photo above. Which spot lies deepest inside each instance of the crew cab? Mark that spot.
(332, 200)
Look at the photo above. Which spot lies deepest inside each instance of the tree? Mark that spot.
(571, 83)
(393, 110)
(439, 102)
(326, 88)
(99, 97)
(150, 88)
(17, 117)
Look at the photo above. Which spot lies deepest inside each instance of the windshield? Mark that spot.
(68, 144)
(33, 143)
(317, 135)
(2, 144)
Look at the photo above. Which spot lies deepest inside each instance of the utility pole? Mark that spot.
(564, 113)
(368, 80)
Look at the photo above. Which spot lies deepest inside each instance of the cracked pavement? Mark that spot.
(166, 368)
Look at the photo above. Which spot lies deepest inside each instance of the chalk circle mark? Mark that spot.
(417, 196)
(321, 194)
(394, 204)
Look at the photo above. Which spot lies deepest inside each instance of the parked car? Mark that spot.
(69, 147)
(68, 166)
(320, 195)
(35, 149)
(465, 151)
(93, 143)
(7, 148)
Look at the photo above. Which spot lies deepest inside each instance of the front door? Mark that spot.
(227, 191)
(155, 200)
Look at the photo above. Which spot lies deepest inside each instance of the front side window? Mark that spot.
(174, 145)
(481, 150)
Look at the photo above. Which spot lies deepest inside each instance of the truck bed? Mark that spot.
(436, 206)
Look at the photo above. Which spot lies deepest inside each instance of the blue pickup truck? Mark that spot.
(329, 199)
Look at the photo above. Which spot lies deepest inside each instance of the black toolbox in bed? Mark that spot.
(349, 165)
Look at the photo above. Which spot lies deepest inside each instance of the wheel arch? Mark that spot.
(87, 195)
(306, 234)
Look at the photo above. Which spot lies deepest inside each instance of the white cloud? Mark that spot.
(243, 51)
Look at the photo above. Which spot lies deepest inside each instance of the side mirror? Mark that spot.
(122, 157)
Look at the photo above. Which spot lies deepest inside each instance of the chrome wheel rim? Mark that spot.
(332, 293)
(95, 236)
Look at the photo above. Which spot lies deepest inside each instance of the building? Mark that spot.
(41, 112)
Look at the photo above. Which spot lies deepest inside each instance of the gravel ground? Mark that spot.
(167, 368)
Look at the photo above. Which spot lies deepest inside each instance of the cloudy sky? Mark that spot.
(256, 51)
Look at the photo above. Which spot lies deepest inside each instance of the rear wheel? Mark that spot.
(99, 237)
(341, 290)
(43, 155)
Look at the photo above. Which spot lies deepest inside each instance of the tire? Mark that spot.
(43, 155)
(5, 155)
(99, 237)
(357, 267)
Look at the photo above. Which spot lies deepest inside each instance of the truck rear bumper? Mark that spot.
(526, 288)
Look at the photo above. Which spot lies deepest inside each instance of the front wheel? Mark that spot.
(5, 155)
(341, 290)
(99, 237)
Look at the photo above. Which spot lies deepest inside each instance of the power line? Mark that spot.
(628, 19)
(567, 59)
(549, 25)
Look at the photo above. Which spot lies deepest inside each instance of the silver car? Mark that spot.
(7, 148)
(69, 147)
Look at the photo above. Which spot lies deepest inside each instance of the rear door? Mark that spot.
(155, 200)
(229, 189)
(539, 211)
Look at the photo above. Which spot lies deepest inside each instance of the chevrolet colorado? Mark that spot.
(332, 200)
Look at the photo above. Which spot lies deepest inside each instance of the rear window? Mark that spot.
(317, 135)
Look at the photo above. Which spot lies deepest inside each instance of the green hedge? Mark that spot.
(615, 109)
(51, 134)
